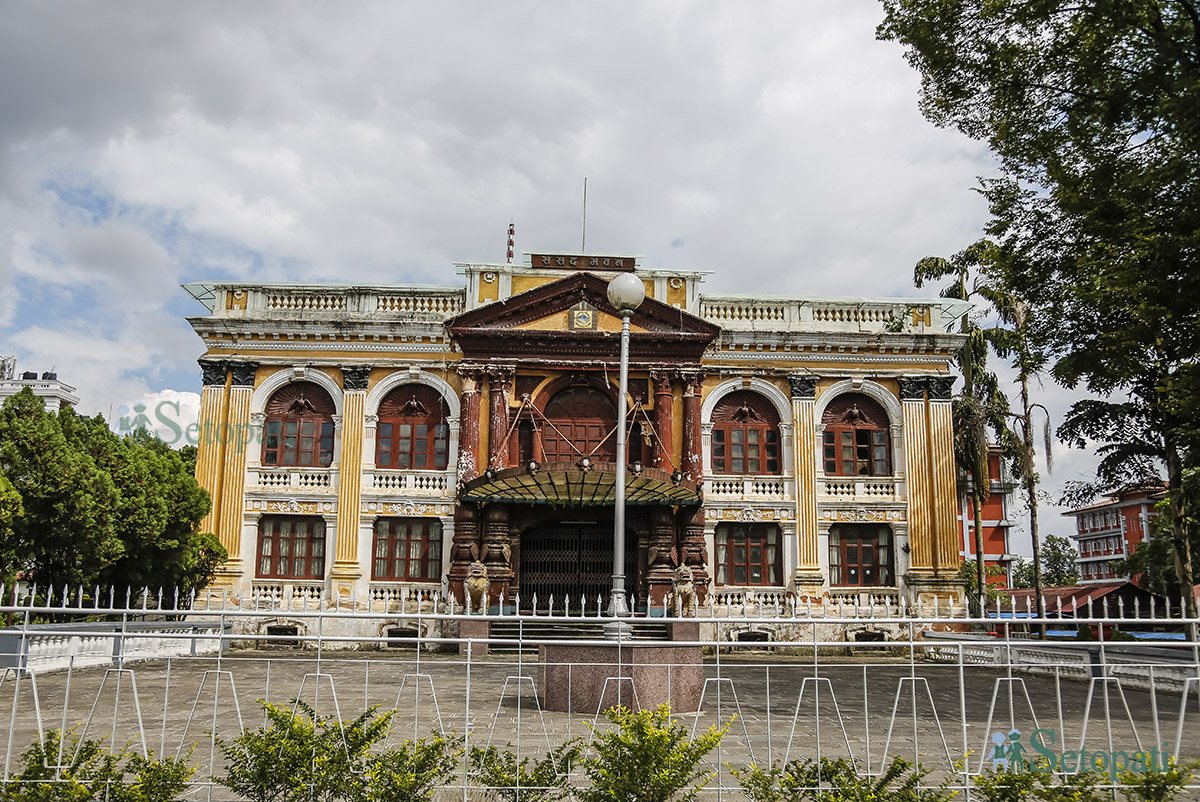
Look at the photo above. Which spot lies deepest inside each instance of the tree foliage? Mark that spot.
(1090, 110)
(81, 506)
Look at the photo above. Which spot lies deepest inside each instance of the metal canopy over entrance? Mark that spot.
(566, 484)
(571, 559)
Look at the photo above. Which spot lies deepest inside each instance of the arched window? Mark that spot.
(745, 436)
(582, 419)
(298, 430)
(856, 440)
(412, 432)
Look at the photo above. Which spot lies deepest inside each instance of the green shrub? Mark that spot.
(411, 772)
(646, 758)
(524, 780)
(838, 781)
(301, 757)
(1158, 786)
(90, 773)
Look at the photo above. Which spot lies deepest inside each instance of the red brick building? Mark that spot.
(996, 520)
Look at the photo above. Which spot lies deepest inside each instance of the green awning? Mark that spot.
(565, 484)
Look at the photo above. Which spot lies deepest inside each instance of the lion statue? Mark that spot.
(476, 587)
(683, 592)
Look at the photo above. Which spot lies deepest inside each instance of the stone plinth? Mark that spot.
(573, 678)
(478, 630)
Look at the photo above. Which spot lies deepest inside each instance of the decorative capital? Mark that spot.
(803, 386)
(941, 388)
(662, 381)
(243, 373)
(355, 377)
(213, 371)
(912, 389)
(258, 418)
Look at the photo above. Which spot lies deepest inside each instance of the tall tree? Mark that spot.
(981, 404)
(1059, 566)
(1090, 108)
(68, 526)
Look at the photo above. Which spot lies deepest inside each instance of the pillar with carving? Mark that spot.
(499, 380)
(464, 547)
(809, 579)
(210, 451)
(236, 433)
(497, 551)
(346, 569)
(468, 431)
(664, 400)
(661, 555)
(694, 554)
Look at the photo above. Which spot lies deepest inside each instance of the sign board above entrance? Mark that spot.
(581, 261)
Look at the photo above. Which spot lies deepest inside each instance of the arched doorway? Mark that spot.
(583, 422)
(572, 558)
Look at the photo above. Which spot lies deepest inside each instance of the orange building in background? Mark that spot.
(996, 521)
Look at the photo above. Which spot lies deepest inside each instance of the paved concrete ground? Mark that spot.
(492, 698)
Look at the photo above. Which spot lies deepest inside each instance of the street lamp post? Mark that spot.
(626, 293)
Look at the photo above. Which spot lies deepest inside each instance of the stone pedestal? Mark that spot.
(926, 591)
(479, 630)
(810, 586)
(686, 631)
(579, 678)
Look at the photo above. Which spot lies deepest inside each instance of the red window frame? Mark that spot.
(407, 549)
(412, 432)
(857, 451)
(745, 448)
(861, 556)
(291, 547)
(748, 555)
(298, 430)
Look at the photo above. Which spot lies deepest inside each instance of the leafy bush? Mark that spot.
(647, 758)
(409, 773)
(301, 757)
(90, 773)
(1158, 786)
(838, 781)
(513, 780)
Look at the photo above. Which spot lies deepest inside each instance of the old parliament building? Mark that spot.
(368, 441)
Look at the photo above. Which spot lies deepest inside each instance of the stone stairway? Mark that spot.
(533, 632)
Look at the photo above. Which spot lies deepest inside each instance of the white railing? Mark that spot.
(402, 597)
(858, 487)
(286, 595)
(747, 487)
(50, 647)
(423, 304)
(314, 479)
(746, 313)
(417, 483)
(847, 601)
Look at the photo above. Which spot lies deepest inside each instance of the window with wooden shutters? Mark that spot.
(580, 420)
(745, 435)
(291, 547)
(747, 554)
(412, 432)
(860, 554)
(298, 430)
(856, 441)
(407, 549)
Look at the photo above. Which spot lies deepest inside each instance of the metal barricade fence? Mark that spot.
(867, 681)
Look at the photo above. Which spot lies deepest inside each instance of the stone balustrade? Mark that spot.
(292, 479)
(873, 315)
(428, 304)
(410, 483)
(748, 487)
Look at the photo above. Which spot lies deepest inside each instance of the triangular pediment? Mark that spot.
(571, 314)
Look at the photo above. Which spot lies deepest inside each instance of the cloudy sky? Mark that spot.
(147, 144)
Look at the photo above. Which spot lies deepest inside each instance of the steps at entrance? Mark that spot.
(532, 633)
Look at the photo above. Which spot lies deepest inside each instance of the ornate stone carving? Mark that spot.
(243, 373)
(803, 386)
(912, 389)
(941, 388)
(355, 377)
(213, 372)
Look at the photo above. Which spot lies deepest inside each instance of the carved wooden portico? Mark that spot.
(547, 361)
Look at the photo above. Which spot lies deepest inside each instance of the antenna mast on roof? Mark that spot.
(583, 246)
(512, 233)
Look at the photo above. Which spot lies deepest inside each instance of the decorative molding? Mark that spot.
(243, 373)
(941, 388)
(803, 386)
(355, 377)
(405, 508)
(748, 513)
(912, 389)
(862, 515)
(292, 506)
(213, 372)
